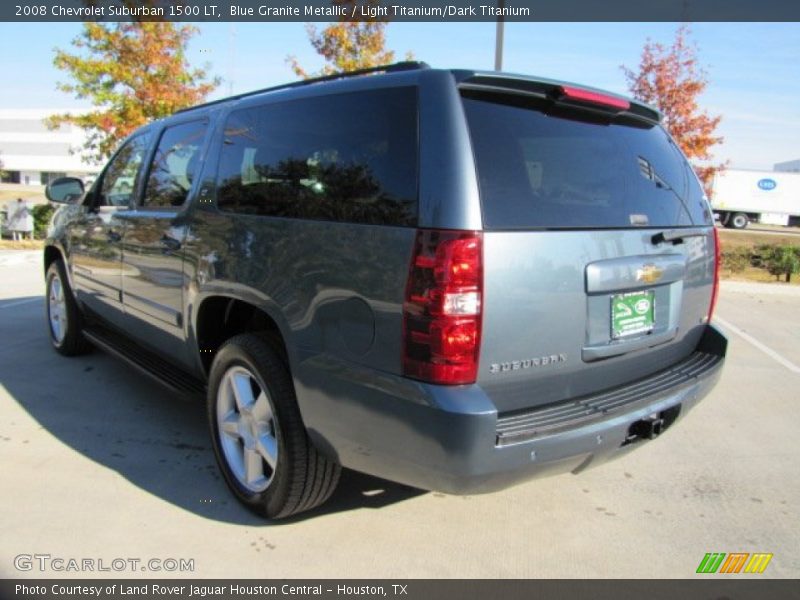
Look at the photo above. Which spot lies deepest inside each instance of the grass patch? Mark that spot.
(748, 239)
(31, 195)
(23, 245)
(746, 255)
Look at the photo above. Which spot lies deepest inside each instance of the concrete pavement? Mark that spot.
(97, 462)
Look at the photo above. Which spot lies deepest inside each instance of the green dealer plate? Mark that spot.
(632, 313)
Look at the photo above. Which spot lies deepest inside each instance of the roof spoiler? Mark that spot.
(562, 93)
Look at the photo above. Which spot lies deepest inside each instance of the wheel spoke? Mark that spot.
(230, 425)
(262, 411)
(267, 447)
(242, 390)
(253, 465)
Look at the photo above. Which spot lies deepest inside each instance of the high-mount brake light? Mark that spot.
(443, 307)
(590, 97)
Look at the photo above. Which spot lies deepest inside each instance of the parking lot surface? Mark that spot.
(98, 463)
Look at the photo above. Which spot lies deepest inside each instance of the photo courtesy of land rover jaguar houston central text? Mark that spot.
(455, 280)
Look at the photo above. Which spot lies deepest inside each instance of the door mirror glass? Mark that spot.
(64, 190)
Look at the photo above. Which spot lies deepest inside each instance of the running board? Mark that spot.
(145, 361)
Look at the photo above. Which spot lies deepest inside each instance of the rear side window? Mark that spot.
(548, 171)
(348, 157)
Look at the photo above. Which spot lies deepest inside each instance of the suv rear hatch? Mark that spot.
(598, 243)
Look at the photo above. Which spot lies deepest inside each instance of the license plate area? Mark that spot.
(632, 313)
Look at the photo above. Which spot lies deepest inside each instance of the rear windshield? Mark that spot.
(540, 170)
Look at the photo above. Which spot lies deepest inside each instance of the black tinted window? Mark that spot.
(174, 165)
(543, 170)
(349, 157)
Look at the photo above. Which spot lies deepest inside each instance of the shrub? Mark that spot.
(783, 260)
(41, 219)
(760, 255)
(736, 260)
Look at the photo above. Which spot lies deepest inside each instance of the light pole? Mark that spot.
(498, 46)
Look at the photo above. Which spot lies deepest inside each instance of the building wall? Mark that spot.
(790, 166)
(31, 153)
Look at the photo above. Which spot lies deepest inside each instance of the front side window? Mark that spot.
(174, 165)
(119, 179)
(349, 157)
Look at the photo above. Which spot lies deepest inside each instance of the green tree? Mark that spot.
(348, 45)
(672, 80)
(784, 260)
(131, 72)
(42, 213)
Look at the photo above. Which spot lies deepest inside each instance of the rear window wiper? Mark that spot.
(676, 236)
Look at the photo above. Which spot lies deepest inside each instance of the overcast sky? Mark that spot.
(754, 68)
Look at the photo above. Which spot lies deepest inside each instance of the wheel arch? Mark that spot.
(220, 316)
(52, 253)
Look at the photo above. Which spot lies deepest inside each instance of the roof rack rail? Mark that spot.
(411, 65)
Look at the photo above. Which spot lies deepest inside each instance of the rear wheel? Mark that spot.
(739, 221)
(63, 315)
(259, 438)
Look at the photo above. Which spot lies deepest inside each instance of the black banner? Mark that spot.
(400, 10)
(504, 589)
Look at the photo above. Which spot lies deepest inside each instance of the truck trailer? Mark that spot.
(741, 196)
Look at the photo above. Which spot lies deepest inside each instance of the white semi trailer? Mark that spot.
(739, 196)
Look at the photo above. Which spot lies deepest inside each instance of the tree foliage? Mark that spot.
(42, 213)
(783, 260)
(132, 72)
(671, 79)
(348, 45)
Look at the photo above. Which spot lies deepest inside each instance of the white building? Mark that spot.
(31, 154)
(791, 166)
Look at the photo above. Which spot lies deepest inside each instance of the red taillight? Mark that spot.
(581, 95)
(442, 309)
(715, 290)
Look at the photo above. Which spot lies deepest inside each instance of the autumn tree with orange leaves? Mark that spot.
(671, 79)
(348, 45)
(132, 72)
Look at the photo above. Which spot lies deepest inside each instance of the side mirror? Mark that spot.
(64, 190)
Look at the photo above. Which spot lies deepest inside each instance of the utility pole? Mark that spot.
(231, 57)
(498, 47)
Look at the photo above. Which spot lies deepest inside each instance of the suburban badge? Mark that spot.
(528, 363)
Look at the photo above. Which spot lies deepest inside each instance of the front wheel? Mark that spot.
(259, 439)
(63, 314)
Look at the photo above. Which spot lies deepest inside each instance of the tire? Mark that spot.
(738, 221)
(64, 321)
(259, 439)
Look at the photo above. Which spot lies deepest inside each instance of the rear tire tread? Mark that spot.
(314, 477)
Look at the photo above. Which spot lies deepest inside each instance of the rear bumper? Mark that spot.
(450, 438)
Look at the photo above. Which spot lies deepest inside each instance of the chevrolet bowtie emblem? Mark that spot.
(649, 273)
